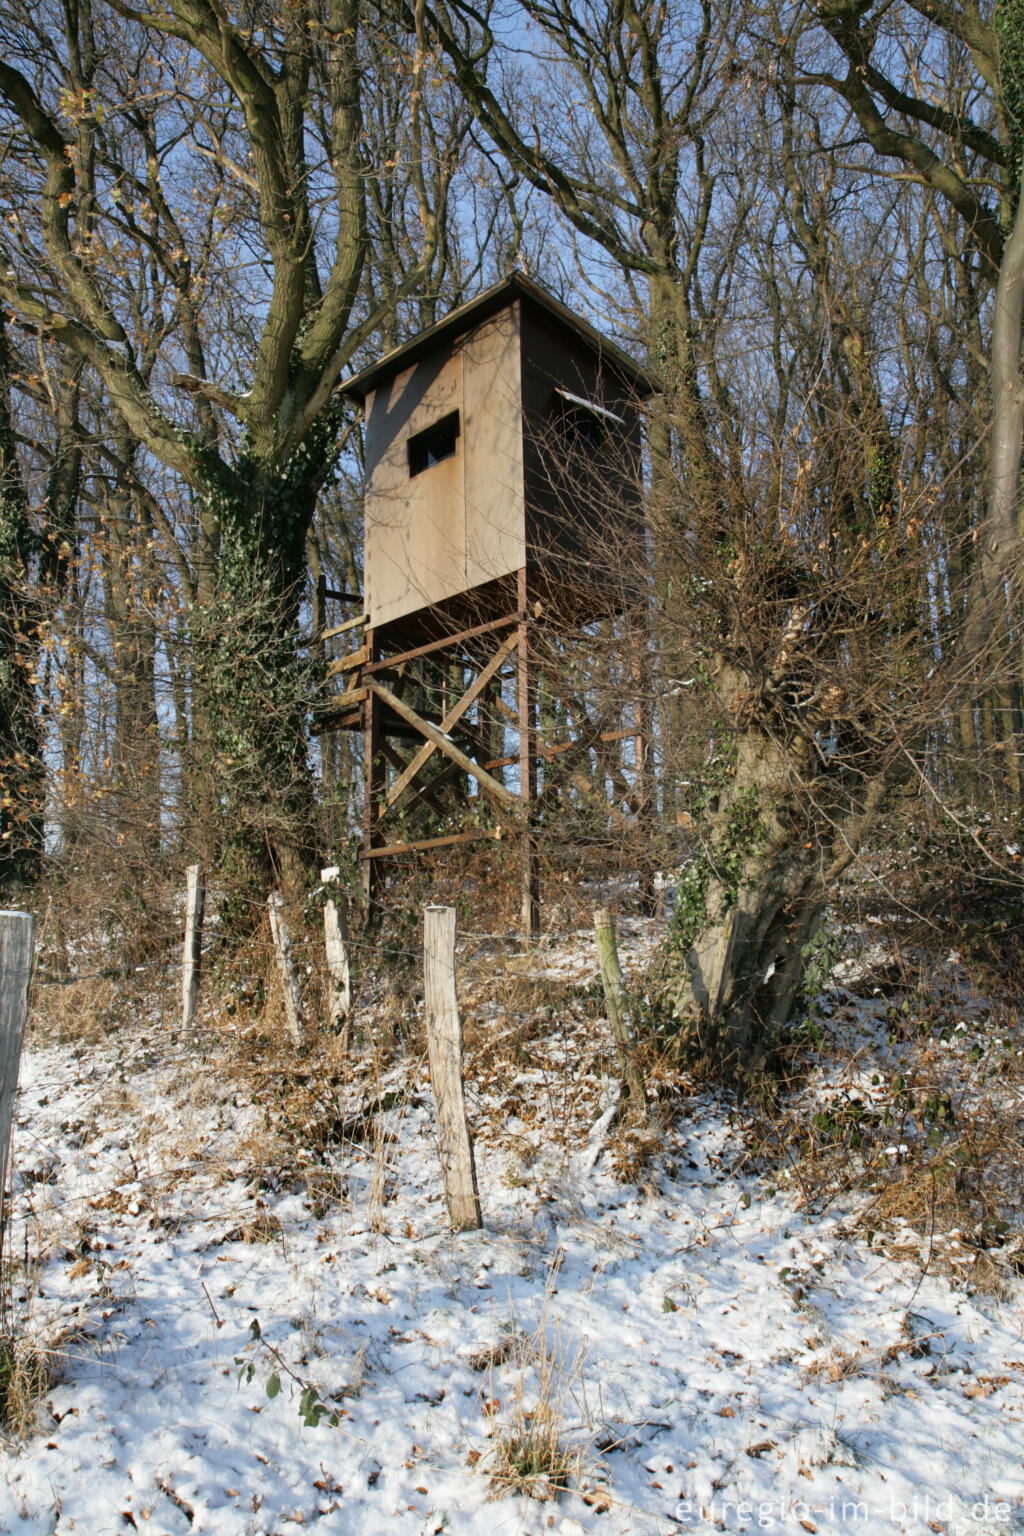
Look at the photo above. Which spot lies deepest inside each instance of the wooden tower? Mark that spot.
(503, 507)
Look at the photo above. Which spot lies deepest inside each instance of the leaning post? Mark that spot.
(339, 1003)
(286, 968)
(618, 1010)
(195, 903)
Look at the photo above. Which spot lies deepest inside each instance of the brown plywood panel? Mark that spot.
(583, 503)
(514, 491)
(495, 532)
(414, 536)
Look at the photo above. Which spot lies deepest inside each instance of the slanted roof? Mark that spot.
(472, 313)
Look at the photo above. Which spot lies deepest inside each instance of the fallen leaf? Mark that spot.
(599, 1499)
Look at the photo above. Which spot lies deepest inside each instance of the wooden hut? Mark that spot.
(503, 492)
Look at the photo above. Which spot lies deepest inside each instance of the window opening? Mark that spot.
(434, 444)
(584, 423)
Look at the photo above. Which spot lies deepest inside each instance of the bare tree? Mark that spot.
(266, 119)
(791, 530)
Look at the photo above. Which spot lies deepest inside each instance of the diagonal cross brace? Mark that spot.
(451, 718)
(488, 784)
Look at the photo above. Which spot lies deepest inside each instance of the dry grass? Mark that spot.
(82, 1012)
(911, 1097)
(542, 1441)
(28, 1369)
(32, 1354)
(386, 1126)
(632, 1153)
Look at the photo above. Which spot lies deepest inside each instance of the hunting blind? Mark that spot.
(503, 502)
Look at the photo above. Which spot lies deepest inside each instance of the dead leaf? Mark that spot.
(599, 1499)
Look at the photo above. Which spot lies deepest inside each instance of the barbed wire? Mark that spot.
(375, 945)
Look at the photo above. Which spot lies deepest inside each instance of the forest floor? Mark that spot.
(246, 1313)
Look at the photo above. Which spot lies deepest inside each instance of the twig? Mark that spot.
(218, 1320)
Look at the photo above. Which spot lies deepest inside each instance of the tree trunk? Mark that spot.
(130, 575)
(751, 901)
(21, 766)
(249, 769)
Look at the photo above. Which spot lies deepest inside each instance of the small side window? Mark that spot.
(583, 423)
(580, 428)
(434, 444)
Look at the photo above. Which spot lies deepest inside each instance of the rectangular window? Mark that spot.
(434, 444)
(583, 423)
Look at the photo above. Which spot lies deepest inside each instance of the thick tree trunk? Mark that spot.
(751, 901)
(252, 787)
(997, 563)
(21, 767)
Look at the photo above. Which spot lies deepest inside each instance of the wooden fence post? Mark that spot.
(195, 903)
(444, 1044)
(339, 1002)
(618, 1010)
(17, 931)
(286, 967)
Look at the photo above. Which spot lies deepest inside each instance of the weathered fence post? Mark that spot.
(444, 1043)
(339, 1001)
(286, 967)
(16, 946)
(195, 903)
(618, 1010)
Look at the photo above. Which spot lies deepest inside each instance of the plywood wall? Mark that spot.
(432, 536)
(495, 530)
(583, 508)
(510, 496)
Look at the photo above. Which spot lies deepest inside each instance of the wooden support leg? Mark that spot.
(529, 882)
(373, 763)
(490, 726)
(643, 764)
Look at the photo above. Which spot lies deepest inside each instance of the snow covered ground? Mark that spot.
(260, 1336)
